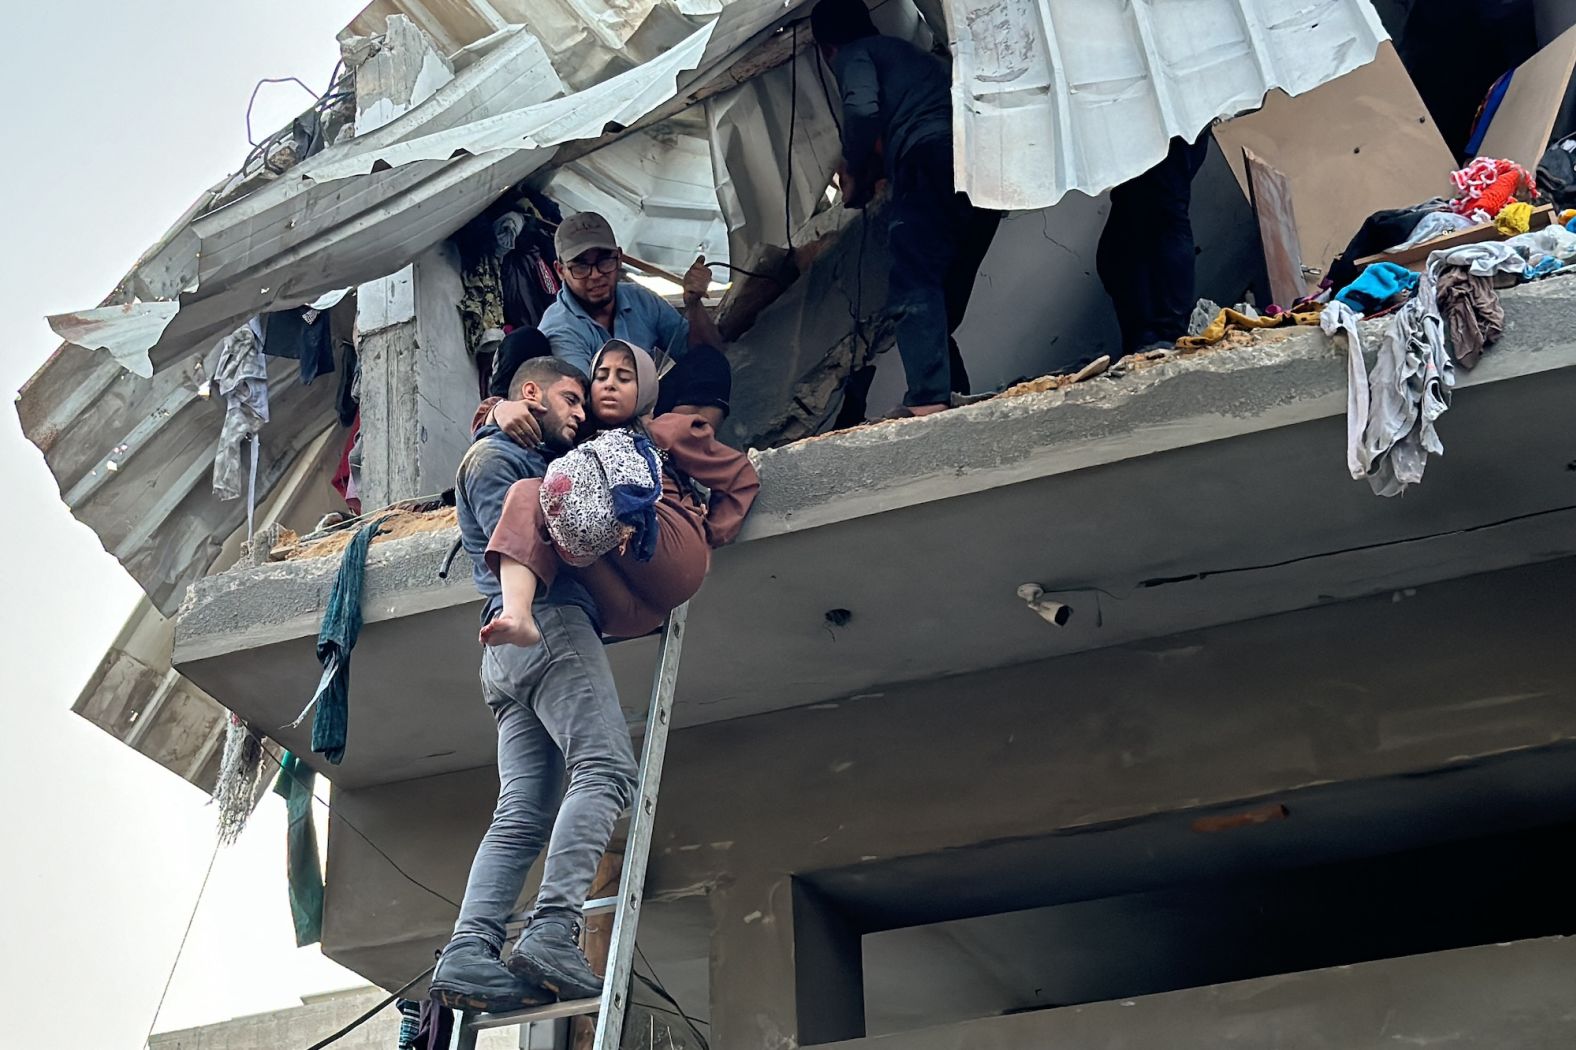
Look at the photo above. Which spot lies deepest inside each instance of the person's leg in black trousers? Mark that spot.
(1172, 258)
(1146, 253)
(979, 229)
(1117, 261)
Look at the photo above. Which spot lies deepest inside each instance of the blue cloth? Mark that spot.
(409, 1024)
(1545, 267)
(894, 92)
(1496, 95)
(640, 316)
(636, 505)
(492, 464)
(1377, 285)
(335, 638)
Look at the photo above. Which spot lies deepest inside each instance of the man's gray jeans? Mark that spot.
(558, 715)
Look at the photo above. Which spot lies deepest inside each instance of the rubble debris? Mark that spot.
(399, 524)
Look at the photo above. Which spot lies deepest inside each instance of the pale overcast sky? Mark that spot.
(117, 116)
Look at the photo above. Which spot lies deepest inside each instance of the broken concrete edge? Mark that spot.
(1287, 377)
(251, 607)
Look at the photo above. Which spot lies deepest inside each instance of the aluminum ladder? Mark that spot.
(611, 1007)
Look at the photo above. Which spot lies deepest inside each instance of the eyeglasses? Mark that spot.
(580, 271)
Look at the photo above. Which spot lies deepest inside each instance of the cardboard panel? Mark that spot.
(1270, 192)
(1357, 145)
(1524, 122)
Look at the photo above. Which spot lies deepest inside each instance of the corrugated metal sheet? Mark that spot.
(621, 100)
(284, 245)
(587, 40)
(657, 190)
(1057, 95)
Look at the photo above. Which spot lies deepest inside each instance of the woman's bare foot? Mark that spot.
(508, 629)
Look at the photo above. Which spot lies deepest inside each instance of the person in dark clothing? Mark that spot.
(518, 347)
(1146, 253)
(566, 769)
(897, 125)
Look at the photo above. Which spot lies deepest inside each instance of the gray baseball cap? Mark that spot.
(581, 233)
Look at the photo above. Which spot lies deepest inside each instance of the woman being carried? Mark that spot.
(622, 508)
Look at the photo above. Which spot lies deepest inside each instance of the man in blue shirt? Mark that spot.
(594, 305)
(897, 124)
(561, 733)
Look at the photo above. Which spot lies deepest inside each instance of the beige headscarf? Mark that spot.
(645, 374)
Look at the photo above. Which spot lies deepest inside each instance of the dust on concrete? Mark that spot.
(400, 523)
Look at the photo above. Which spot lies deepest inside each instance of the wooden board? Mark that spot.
(1414, 257)
(1269, 191)
(1359, 144)
(1525, 119)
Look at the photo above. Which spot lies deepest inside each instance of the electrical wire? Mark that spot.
(655, 984)
(339, 815)
(181, 948)
(793, 119)
(259, 86)
(1162, 581)
(370, 1014)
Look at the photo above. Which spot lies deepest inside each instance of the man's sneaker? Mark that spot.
(548, 953)
(470, 977)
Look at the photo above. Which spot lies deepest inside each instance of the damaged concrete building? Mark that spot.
(1295, 770)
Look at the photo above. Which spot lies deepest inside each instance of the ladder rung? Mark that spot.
(591, 907)
(550, 1012)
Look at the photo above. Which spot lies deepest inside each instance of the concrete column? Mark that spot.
(417, 387)
(785, 967)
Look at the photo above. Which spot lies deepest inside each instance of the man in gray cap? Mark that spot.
(594, 306)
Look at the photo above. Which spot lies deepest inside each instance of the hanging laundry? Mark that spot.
(347, 474)
(241, 378)
(1472, 313)
(529, 282)
(240, 774)
(304, 873)
(301, 335)
(481, 301)
(1338, 317)
(1409, 386)
(335, 639)
(346, 402)
(1376, 286)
